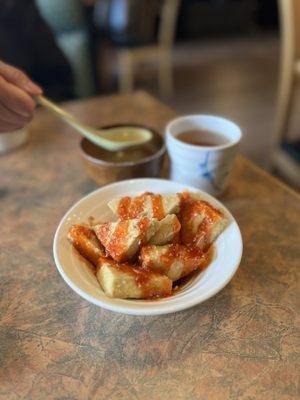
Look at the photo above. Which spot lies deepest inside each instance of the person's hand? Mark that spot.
(16, 102)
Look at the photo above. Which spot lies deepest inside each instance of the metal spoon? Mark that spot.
(112, 139)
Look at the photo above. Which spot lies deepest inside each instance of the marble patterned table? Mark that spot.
(241, 344)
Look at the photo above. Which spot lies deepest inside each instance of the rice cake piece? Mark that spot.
(209, 230)
(201, 223)
(85, 241)
(191, 215)
(168, 231)
(127, 281)
(123, 239)
(175, 260)
(147, 204)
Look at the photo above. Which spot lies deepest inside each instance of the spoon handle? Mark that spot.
(43, 101)
(97, 136)
(69, 118)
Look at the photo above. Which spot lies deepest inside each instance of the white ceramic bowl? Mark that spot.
(10, 141)
(81, 279)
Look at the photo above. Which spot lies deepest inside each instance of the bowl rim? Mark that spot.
(145, 160)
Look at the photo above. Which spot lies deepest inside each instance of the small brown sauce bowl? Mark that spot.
(106, 167)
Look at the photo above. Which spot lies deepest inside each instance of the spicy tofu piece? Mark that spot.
(127, 281)
(208, 231)
(147, 204)
(85, 241)
(190, 217)
(123, 239)
(175, 260)
(201, 223)
(168, 231)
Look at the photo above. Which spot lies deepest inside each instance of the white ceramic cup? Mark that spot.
(10, 141)
(205, 167)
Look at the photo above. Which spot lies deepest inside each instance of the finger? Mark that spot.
(16, 99)
(12, 117)
(7, 127)
(19, 78)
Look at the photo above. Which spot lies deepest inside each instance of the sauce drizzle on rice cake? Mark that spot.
(175, 260)
(147, 204)
(201, 223)
(86, 243)
(123, 239)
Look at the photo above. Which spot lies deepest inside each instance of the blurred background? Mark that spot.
(234, 58)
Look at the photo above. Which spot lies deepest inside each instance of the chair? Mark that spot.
(161, 53)
(289, 71)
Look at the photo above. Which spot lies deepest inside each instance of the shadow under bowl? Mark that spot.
(105, 166)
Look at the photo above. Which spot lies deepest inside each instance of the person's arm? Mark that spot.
(16, 102)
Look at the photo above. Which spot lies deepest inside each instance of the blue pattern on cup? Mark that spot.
(206, 173)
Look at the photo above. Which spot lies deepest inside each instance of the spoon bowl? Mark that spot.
(126, 136)
(112, 139)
